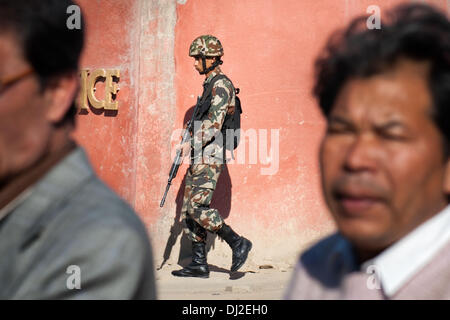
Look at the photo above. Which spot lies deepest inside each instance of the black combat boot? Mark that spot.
(198, 267)
(240, 246)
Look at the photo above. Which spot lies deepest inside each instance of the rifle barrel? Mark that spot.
(165, 195)
(177, 160)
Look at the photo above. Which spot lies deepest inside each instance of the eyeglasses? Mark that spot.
(9, 81)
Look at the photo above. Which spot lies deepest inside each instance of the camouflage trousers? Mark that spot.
(201, 181)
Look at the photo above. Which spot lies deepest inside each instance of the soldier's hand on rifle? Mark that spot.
(185, 148)
(184, 128)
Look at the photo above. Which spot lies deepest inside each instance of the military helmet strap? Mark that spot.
(213, 66)
(204, 65)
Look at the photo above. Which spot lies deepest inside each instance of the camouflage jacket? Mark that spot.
(222, 97)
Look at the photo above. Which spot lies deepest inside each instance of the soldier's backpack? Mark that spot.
(232, 119)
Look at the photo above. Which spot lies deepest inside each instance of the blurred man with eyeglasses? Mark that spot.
(63, 233)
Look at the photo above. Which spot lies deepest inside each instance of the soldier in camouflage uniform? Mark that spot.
(207, 155)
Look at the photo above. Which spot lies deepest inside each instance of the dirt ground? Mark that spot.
(253, 282)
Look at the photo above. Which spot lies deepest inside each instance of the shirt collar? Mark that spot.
(60, 181)
(15, 203)
(401, 261)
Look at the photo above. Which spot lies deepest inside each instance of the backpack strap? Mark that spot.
(207, 93)
(208, 90)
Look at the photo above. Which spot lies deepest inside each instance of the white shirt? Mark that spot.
(398, 263)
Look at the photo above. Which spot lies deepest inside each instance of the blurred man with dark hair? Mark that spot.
(63, 233)
(384, 162)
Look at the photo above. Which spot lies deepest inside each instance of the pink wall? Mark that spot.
(110, 140)
(270, 47)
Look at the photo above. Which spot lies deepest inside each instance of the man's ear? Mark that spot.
(60, 95)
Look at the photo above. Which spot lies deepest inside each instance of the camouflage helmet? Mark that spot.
(207, 46)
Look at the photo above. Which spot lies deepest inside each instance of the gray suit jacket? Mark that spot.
(73, 238)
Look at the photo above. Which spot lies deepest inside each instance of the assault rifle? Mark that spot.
(177, 161)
